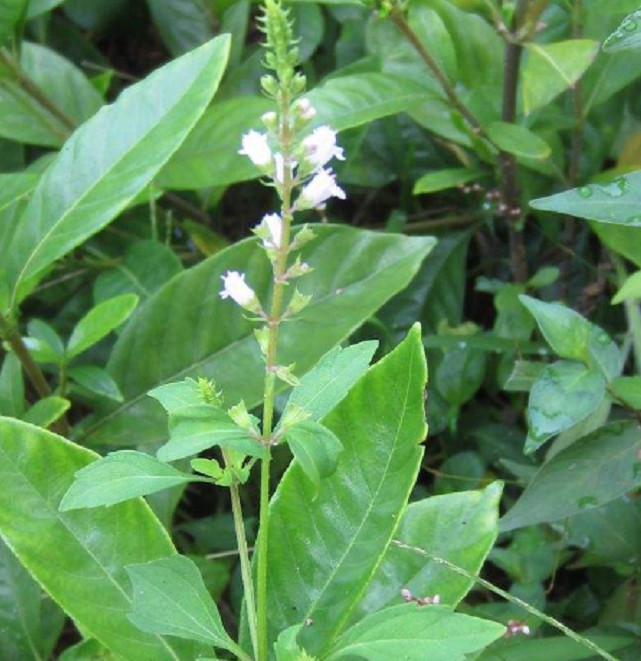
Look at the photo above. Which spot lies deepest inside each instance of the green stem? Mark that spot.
(581, 640)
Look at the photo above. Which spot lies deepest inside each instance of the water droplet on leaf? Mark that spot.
(585, 191)
(587, 502)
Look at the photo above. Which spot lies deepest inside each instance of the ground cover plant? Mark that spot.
(321, 335)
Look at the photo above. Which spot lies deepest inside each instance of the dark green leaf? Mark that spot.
(523, 376)
(11, 387)
(96, 380)
(10, 13)
(183, 24)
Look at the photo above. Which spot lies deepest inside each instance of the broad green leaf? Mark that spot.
(617, 202)
(524, 374)
(443, 179)
(621, 239)
(15, 186)
(36, 469)
(602, 467)
(25, 120)
(111, 158)
(630, 289)
(323, 387)
(183, 24)
(118, 477)
(552, 68)
(460, 373)
(460, 527)
(316, 449)
(518, 140)
(48, 337)
(11, 12)
(99, 322)
(564, 394)
(628, 388)
(627, 36)
(46, 411)
(415, 633)
(170, 598)
(88, 650)
(572, 336)
(96, 380)
(185, 329)
(11, 387)
(286, 647)
(380, 423)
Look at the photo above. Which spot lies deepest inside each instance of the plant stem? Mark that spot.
(581, 640)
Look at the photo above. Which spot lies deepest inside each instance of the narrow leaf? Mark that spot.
(627, 36)
(46, 411)
(96, 380)
(630, 289)
(439, 180)
(518, 140)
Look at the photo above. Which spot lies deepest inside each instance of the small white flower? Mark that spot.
(255, 147)
(320, 147)
(319, 190)
(305, 109)
(237, 289)
(273, 225)
(279, 168)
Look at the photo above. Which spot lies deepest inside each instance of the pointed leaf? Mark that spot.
(630, 289)
(518, 140)
(628, 388)
(11, 387)
(627, 36)
(96, 380)
(46, 411)
(444, 179)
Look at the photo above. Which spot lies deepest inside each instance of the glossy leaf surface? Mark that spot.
(518, 140)
(627, 36)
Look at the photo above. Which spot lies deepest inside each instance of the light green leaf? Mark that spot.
(316, 449)
(628, 388)
(38, 7)
(602, 467)
(617, 202)
(99, 322)
(518, 140)
(524, 374)
(170, 598)
(630, 289)
(93, 547)
(10, 14)
(443, 179)
(416, 633)
(323, 387)
(15, 186)
(565, 393)
(627, 35)
(88, 650)
(46, 411)
(96, 380)
(355, 273)
(183, 24)
(460, 527)
(50, 342)
(621, 239)
(11, 387)
(118, 477)
(552, 68)
(111, 158)
(380, 423)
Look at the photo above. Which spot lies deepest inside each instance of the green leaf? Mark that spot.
(323, 387)
(552, 68)
(460, 527)
(11, 387)
(88, 650)
(572, 336)
(46, 411)
(380, 423)
(623, 240)
(38, 7)
(109, 160)
(25, 120)
(93, 547)
(443, 179)
(183, 24)
(15, 186)
(50, 342)
(524, 374)
(99, 322)
(96, 380)
(460, 374)
(627, 35)
(628, 388)
(630, 289)
(602, 467)
(316, 449)
(286, 647)
(11, 12)
(416, 633)
(118, 477)
(518, 140)
(170, 598)
(617, 202)
(564, 394)
(174, 335)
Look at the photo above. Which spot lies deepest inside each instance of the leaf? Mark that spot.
(46, 411)
(15, 186)
(355, 272)
(316, 449)
(439, 180)
(50, 342)
(36, 468)
(99, 322)
(170, 598)
(523, 376)
(183, 24)
(355, 512)
(602, 467)
(617, 202)
(325, 385)
(627, 36)
(88, 650)
(96, 380)
(416, 633)
(26, 120)
(111, 158)
(518, 140)
(460, 527)
(11, 12)
(564, 394)
(118, 477)
(628, 388)
(630, 289)
(621, 239)
(11, 387)
(550, 69)
(572, 336)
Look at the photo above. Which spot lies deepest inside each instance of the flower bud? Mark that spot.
(270, 231)
(270, 120)
(238, 290)
(305, 110)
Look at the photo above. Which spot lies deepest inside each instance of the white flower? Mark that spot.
(273, 228)
(320, 147)
(255, 147)
(319, 190)
(305, 109)
(279, 168)
(237, 289)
